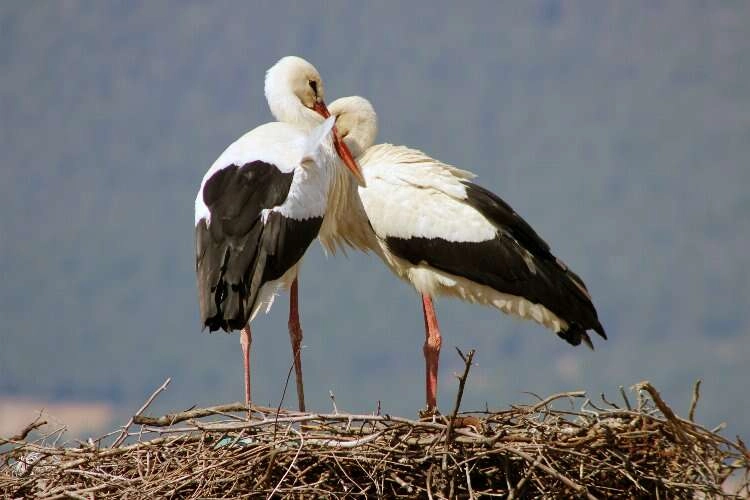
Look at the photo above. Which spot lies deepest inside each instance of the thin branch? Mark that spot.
(608, 402)
(549, 399)
(281, 400)
(401, 482)
(173, 418)
(625, 398)
(467, 359)
(468, 482)
(694, 401)
(429, 482)
(337, 443)
(666, 410)
(26, 430)
(124, 433)
(333, 400)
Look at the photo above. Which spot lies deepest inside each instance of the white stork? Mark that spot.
(261, 204)
(445, 235)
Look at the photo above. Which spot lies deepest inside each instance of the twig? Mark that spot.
(333, 400)
(173, 418)
(625, 398)
(283, 394)
(429, 482)
(467, 359)
(26, 430)
(610, 403)
(666, 410)
(694, 401)
(124, 434)
(468, 482)
(461, 383)
(401, 482)
(549, 399)
(336, 443)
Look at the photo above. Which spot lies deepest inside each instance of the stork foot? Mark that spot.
(429, 413)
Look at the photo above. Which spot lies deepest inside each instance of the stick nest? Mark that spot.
(609, 450)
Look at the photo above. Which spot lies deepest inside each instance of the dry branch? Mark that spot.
(25, 431)
(124, 433)
(694, 401)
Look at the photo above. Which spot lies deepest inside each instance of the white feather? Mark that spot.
(317, 140)
(409, 194)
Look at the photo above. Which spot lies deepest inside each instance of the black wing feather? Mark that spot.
(285, 242)
(230, 250)
(505, 218)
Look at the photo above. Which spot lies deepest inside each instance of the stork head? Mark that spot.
(356, 122)
(294, 91)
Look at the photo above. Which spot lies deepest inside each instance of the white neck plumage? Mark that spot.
(286, 107)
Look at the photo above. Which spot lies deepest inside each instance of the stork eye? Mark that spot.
(314, 86)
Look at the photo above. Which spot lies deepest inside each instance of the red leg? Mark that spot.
(431, 350)
(246, 340)
(295, 335)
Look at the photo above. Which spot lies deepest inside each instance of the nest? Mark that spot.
(584, 450)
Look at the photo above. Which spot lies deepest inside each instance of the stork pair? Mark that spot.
(281, 185)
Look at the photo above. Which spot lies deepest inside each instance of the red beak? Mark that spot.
(341, 148)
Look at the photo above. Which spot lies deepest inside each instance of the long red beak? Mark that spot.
(341, 148)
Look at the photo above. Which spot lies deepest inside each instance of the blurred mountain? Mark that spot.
(620, 132)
